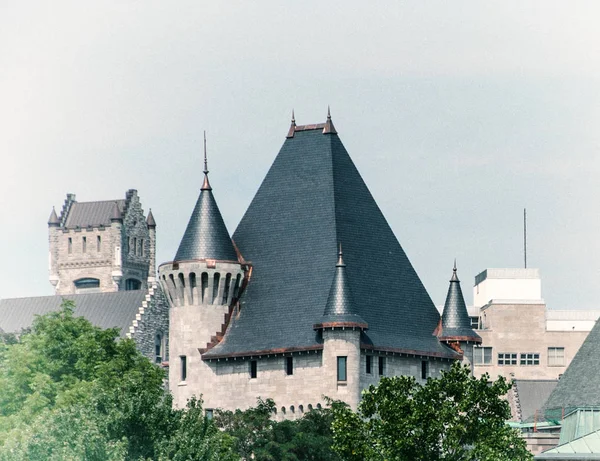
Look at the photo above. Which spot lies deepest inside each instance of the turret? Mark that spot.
(53, 237)
(455, 325)
(116, 223)
(341, 327)
(151, 223)
(203, 283)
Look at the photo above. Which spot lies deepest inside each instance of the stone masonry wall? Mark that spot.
(152, 319)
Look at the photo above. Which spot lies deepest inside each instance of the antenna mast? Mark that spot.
(525, 236)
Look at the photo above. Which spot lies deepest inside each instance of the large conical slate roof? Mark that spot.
(312, 198)
(206, 236)
(579, 385)
(456, 324)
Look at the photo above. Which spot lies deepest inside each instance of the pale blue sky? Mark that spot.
(457, 114)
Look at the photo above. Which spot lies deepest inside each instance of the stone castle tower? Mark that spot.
(101, 246)
(203, 284)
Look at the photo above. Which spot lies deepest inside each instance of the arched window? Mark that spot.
(159, 347)
(132, 284)
(87, 285)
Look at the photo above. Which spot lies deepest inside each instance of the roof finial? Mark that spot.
(205, 184)
(454, 274)
(329, 128)
(340, 262)
(292, 129)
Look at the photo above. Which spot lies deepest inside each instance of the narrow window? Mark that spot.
(556, 356)
(368, 367)
(70, 245)
(84, 244)
(98, 244)
(209, 413)
(289, 365)
(253, 369)
(141, 248)
(341, 368)
(424, 369)
(381, 366)
(183, 359)
(135, 246)
(158, 348)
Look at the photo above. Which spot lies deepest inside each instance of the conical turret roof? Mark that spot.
(150, 222)
(206, 236)
(456, 324)
(340, 310)
(53, 219)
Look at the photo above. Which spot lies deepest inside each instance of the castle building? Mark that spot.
(102, 257)
(269, 313)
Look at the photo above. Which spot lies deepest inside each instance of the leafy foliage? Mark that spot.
(256, 436)
(72, 391)
(456, 417)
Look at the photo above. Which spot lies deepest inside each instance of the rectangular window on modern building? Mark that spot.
(369, 362)
(183, 360)
(289, 366)
(474, 323)
(341, 368)
(381, 366)
(253, 369)
(530, 358)
(507, 358)
(556, 356)
(424, 369)
(482, 355)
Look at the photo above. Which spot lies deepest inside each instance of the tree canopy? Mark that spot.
(455, 417)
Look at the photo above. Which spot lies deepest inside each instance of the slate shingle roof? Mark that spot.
(312, 198)
(84, 214)
(456, 323)
(206, 236)
(579, 385)
(105, 310)
(532, 395)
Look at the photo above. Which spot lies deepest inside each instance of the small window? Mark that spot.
(132, 284)
(341, 368)
(505, 358)
(482, 355)
(158, 348)
(369, 360)
(253, 369)
(209, 413)
(84, 244)
(530, 358)
(381, 366)
(135, 246)
(70, 245)
(475, 323)
(87, 285)
(289, 366)
(424, 369)
(183, 360)
(556, 356)
(141, 248)
(98, 244)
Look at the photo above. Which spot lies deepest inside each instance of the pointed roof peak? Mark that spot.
(292, 129)
(53, 219)
(454, 273)
(329, 128)
(340, 262)
(205, 184)
(116, 213)
(150, 222)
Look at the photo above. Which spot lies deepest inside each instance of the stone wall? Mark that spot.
(152, 319)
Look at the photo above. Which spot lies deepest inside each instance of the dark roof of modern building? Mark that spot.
(578, 387)
(340, 310)
(456, 323)
(312, 198)
(206, 236)
(86, 214)
(532, 394)
(105, 310)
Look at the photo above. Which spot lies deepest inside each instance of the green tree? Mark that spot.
(72, 391)
(256, 436)
(455, 417)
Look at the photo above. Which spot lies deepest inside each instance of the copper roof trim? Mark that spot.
(360, 325)
(409, 351)
(283, 350)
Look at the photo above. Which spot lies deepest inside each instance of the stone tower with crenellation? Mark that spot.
(101, 246)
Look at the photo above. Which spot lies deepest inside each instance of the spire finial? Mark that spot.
(454, 269)
(328, 113)
(293, 118)
(205, 184)
(340, 262)
(454, 274)
(292, 129)
(329, 128)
